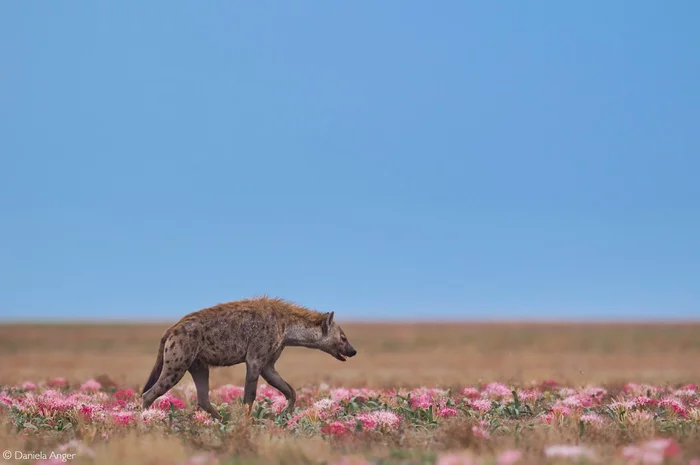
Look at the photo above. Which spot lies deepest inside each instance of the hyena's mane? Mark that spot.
(280, 307)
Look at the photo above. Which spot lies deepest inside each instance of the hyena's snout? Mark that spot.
(343, 351)
(349, 351)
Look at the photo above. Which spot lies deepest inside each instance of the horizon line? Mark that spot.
(380, 321)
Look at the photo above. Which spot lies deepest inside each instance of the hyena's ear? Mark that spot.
(327, 322)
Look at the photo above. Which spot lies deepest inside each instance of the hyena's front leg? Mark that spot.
(274, 379)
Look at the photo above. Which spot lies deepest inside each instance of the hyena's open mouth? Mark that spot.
(342, 355)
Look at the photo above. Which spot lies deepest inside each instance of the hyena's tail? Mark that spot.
(158, 367)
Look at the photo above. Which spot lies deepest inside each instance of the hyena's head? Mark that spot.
(333, 340)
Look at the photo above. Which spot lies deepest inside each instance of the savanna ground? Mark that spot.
(415, 393)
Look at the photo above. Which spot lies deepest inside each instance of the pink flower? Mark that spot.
(202, 459)
(201, 417)
(78, 397)
(668, 447)
(685, 393)
(337, 428)
(594, 392)
(623, 405)
(326, 408)
(90, 410)
(351, 460)
(450, 458)
(327, 404)
(29, 386)
(471, 393)
(509, 457)
(279, 404)
(28, 402)
(446, 412)
(633, 388)
(566, 392)
(481, 405)
(383, 419)
(561, 410)
(267, 391)
(643, 401)
(420, 401)
(59, 383)
(550, 383)
(640, 389)
(593, 419)
(296, 417)
(342, 394)
(529, 395)
(364, 394)
(125, 395)
(566, 451)
(228, 393)
(123, 418)
(151, 416)
(167, 400)
(90, 386)
(53, 402)
(430, 393)
(674, 405)
(576, 401)
(498, 390)
(651, 452)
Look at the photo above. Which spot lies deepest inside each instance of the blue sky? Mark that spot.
(386, 160)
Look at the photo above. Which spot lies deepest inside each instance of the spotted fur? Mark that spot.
(252, 331)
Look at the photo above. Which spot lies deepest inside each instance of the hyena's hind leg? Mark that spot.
(200, 375)
(178, 355)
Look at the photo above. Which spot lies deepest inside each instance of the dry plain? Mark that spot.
(390, 357)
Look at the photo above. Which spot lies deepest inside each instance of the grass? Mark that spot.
(471, 365)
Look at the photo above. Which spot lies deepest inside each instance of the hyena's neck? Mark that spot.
(298, 334)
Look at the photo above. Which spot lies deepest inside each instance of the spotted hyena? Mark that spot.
(254, 331)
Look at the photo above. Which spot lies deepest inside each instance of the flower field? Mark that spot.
(542, 422)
